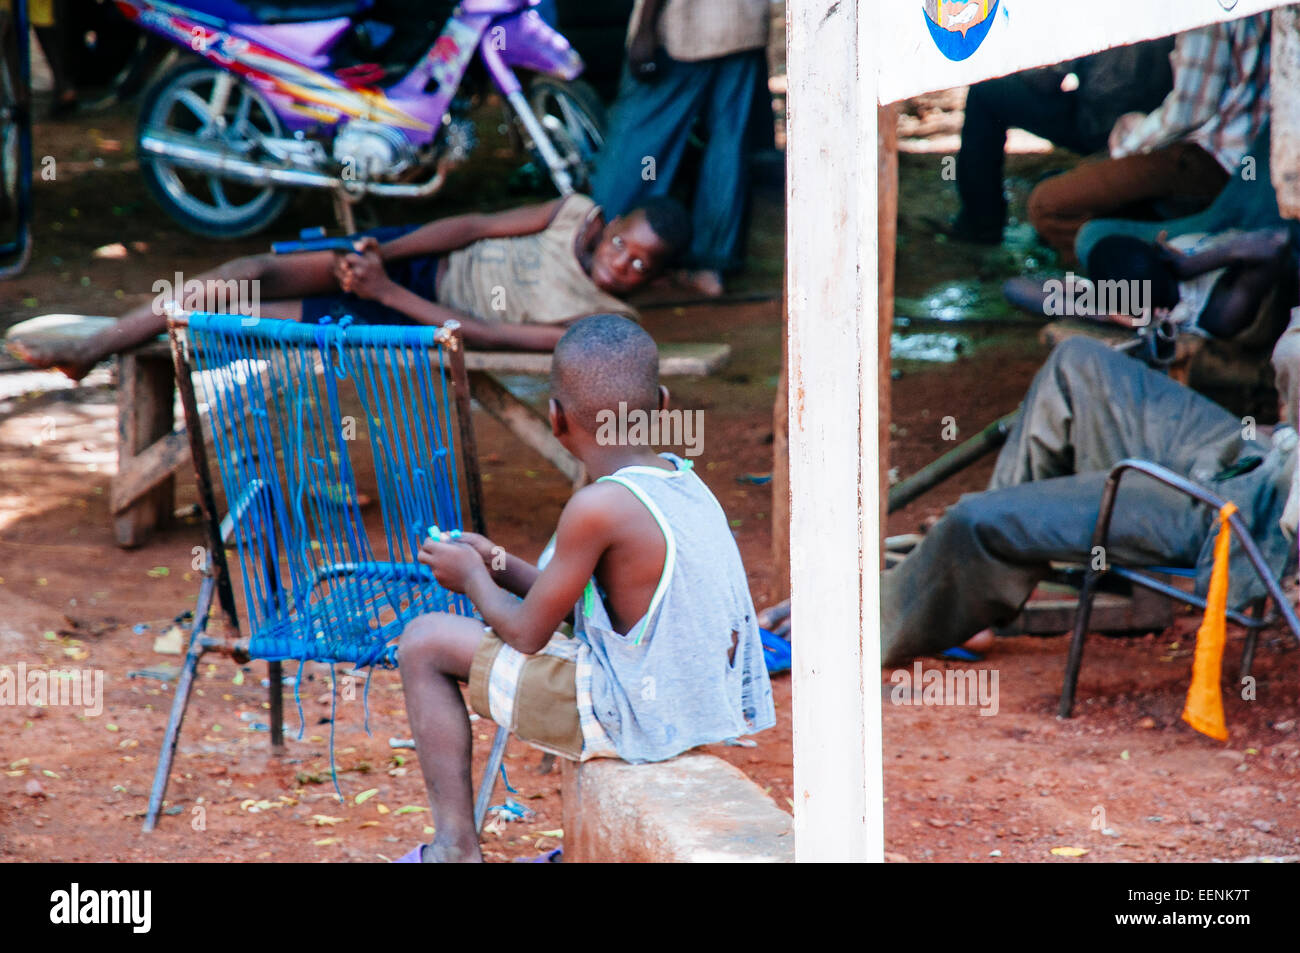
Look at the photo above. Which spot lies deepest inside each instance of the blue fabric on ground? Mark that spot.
(776, 652)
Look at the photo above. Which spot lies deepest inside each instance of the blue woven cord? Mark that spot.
(314, 589)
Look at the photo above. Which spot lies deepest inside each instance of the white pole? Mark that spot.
(834, 514)
(1285, 87)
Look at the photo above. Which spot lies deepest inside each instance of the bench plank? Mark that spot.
(525, 423)
(48, 328)
(675, 360)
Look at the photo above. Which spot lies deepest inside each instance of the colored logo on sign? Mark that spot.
(959, 26)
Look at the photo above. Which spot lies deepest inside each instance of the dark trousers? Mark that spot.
(648, 132)
(1026, 101)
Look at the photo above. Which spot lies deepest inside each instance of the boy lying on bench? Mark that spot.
(513, 279)
(664, 652)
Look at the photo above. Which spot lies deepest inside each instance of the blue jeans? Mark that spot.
(653, 121)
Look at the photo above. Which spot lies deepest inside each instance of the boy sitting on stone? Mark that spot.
(664, 651)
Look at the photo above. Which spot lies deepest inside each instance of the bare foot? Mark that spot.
(706, 283)
(980, 642)
(65, 360)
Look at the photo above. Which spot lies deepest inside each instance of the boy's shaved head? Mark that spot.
(601, 361)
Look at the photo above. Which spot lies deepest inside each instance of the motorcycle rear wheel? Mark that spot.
(183, 101)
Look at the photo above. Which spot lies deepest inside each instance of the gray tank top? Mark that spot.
(667, 685)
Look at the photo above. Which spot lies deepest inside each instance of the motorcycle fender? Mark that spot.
(528, 42)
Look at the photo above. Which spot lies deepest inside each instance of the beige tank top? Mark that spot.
(529, 279)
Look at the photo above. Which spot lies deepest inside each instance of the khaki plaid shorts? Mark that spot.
(532, 696)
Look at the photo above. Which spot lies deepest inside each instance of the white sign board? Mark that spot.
(927, 45)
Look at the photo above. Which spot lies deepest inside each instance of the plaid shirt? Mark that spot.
(1220, 95)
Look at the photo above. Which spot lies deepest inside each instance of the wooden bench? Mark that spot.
(150, 450)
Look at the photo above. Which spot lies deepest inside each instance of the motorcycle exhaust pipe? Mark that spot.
(189, 153)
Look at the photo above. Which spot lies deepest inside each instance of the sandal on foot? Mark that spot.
(414, 856)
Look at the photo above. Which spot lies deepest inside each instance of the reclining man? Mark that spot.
(1088, 408)
(513, 279)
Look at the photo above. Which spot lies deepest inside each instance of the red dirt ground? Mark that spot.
(1124, 780)
(69, 598)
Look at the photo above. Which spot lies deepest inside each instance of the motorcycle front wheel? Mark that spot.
(212, 106)
(574, 119)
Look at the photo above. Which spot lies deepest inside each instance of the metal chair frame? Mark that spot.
(1101, 533)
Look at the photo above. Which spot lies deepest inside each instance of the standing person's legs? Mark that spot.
(650, 121)
(976, 567)
(722, 195)
(1090, 407)
(52, 28)
(1060, 206)
(992, 107)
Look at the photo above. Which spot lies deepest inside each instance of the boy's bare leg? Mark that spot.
(279, 278)
(435, 654)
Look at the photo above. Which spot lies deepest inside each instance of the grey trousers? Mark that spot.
(1087, 408)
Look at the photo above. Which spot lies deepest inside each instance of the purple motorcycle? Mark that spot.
(324, 96)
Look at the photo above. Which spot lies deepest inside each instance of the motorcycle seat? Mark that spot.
(303, 11)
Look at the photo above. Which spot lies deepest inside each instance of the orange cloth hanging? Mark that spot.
(1204, 709)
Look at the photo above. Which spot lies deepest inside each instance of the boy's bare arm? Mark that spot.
(362, 273)
(509, 572)
(497, 335)
(643, 40)
(584, 533)
(449, 234)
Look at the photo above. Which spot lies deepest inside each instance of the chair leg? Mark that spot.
(184, 683)
(276, 680)
(489, 782)
(1075, 659)
(1257, 610)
